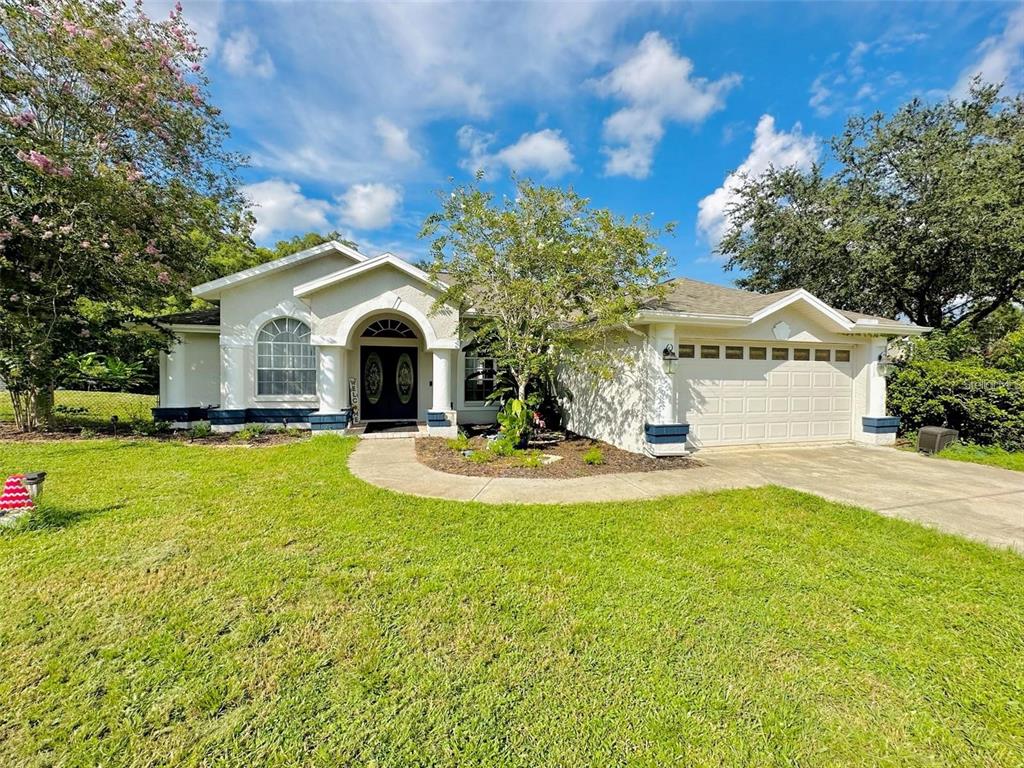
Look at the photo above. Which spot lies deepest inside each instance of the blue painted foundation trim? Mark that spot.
(233, 416)
(437, 419)
(227, 417)
(881, 425)
(187, 413)
(329, 421)
(666, 434)
(277, 415)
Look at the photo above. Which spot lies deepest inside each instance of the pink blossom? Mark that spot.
(65, 171)
(163, 278)
(151, 249)
(196, 67)
(14, 297)
(177, 7)
(25, 119)
(84, 333)
(5, 236)
(36, 159)
(107, 43)
(132, 173)
(71, 28)
(36, 218)
(47, 234)
(14, 220)
(35, 277)
(86, 244)
(65, 229)
(36, 12)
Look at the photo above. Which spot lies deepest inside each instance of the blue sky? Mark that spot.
(355, 115)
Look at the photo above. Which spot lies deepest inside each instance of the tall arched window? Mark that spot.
(285, 360)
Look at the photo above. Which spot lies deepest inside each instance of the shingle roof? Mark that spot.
(685, 295)
(195, 317)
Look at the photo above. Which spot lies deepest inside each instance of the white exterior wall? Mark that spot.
(614, 409)
(246, 308)
(190, 373)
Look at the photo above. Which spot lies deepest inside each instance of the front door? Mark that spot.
(388, 383)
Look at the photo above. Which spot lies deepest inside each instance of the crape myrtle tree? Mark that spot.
(115, 186)
(541, 275)
(922, 215)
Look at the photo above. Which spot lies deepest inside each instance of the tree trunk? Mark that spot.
(33, 407)
(522, 389)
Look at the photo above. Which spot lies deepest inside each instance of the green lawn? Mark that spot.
(187, 605)
(98, 407)
(985, 454)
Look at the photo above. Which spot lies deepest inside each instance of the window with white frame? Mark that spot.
(285, 360)
(479, 379)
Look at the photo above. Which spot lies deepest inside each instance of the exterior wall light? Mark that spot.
(884, 363)
(669, 357)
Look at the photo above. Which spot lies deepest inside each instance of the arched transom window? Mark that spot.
(389, 329)
(285, 360)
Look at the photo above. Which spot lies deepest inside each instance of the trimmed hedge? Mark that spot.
(985, 404)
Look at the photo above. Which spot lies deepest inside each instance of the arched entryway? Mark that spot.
(388, 382)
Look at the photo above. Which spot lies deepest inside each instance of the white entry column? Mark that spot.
(230, 417)
(876, 427)
(664, 434)
(442, 417)
(442, 396)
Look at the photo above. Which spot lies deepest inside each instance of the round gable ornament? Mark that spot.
(781, 330)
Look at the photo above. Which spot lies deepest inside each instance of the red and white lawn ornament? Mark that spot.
(15, 498)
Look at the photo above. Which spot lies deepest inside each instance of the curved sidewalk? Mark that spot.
(984, 503)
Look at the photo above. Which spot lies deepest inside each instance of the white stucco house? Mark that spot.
(328, 337)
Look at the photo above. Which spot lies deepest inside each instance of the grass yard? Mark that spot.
(985, 454)
(188, 605)
(91, 409)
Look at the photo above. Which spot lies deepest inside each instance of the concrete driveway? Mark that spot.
(978, 502)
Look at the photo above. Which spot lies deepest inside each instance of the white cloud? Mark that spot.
(430, 62)
(243, 55)
(771, 148)
(395, 141)
(1001, 57)
(821, 96)
(280, 206)
(369, 206)
(658, 87)
(546, 151)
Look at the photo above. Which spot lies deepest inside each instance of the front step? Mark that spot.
(383, 433)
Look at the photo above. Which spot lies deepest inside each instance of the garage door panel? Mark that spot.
(751, 401)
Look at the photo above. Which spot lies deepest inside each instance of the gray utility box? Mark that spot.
(934, 439)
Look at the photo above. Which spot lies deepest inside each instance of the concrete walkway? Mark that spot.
(979, 502)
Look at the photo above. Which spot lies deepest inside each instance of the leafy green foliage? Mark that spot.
(531, 459)
(459, 443)
(922, 217)
(593, 456)
(985, 404)
(548, 273)
(250, 432)
(514, 418)
(182, 604)
(117, 186)
(201, 430)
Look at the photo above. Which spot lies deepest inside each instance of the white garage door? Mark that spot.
(737, 395)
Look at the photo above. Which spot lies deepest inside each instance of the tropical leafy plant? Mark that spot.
(514, 419)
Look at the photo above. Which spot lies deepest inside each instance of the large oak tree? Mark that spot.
(918, 214)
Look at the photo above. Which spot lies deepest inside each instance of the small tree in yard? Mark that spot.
(541, 276)
(116, 188)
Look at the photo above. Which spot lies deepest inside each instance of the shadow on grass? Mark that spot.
(56, 518)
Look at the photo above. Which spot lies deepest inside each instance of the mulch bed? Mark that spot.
(435, 453)
(9, 432)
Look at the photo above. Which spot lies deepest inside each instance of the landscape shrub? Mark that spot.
(459, 443)
(514, 419)
(531, 459)
(593, 456)
(200, 430)
(250, 432)
(986, 404)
